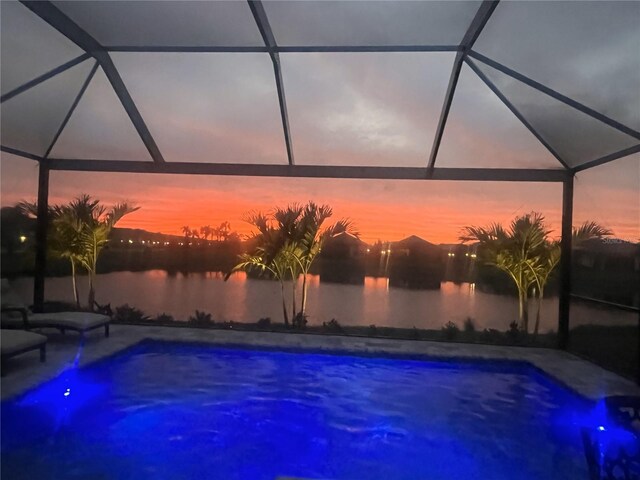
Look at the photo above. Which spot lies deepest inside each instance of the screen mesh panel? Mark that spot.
(210, 107)
(166, 23)
(31, 119)
(585, 50)
(482, 132)
(100, 128)
(377, 109)
(577, 137)
(29, 47)
(370, 23)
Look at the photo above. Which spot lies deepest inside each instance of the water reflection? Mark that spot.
(247, 299)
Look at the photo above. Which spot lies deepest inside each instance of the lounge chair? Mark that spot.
(15, 342)
(16, 315)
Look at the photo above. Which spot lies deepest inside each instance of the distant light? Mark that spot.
(466, 254)
(368, 250)
(23, 239)
(473, 255)
(130, 241)
(601, 428)
(121, 241)
(67, 393)
(142, 241)
(389, 251)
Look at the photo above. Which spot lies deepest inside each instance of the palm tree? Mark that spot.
(310, 238)
(510, 251)
(273, 254)
(187, 231)
(287, 222)
(64, 238)
(78, 231)
(206, 231)
(288, 241)
(97, 223)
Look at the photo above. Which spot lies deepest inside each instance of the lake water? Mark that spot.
(374, 303)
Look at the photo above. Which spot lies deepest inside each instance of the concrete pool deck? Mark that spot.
(25, 371)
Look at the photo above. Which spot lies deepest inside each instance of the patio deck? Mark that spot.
(25, 371)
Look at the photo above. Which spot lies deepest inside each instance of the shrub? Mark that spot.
(491, 335)
(299, 321)
(514, 332)
(469, 325)
(201, 319)
(127, 314)
(332, 326)
(264, 322)
(165, 318)
(373, 330)
(415, 334)
(450, 330)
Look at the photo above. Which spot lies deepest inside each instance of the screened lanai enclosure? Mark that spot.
(467, 91)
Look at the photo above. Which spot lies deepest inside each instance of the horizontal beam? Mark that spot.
(283, 49)
(20, 153)
(554, 94)
(607, 158)
(312, 171)
(44, 77)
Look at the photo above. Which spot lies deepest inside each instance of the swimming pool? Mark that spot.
(177, 411)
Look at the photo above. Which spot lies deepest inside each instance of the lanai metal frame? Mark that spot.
(465, 53)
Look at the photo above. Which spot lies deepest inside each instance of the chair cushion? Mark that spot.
(18, 340)
(72, 320)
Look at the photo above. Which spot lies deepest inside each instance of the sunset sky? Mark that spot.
(387, 210)
(377, 109)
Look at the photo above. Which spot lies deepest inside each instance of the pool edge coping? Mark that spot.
(552, 364)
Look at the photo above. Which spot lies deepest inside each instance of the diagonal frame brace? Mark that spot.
(555, 95)
(473, 32)
(260, 16)
(58, 20)
(45, 76)
(515, 111)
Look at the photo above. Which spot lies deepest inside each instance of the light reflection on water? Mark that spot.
(374, 303)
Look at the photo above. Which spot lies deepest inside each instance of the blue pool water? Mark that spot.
(179, 411)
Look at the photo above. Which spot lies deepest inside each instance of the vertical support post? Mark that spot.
(564, 302)
(42, 223)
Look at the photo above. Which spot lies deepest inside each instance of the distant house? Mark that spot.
(608, 269)
(342, 259)
(460, 262)
(416, 263)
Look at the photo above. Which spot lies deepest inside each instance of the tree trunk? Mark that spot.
(539, 305)
(92, 292)
(303, 307)
(284, 305)
(74, 282)
(523, 312)
(294, 282)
